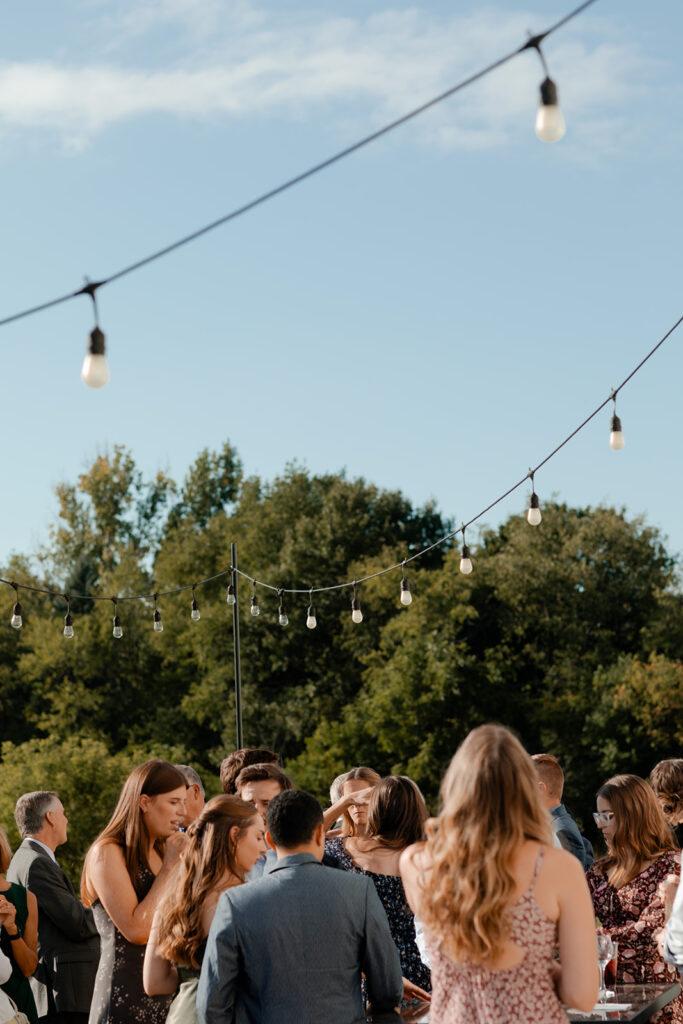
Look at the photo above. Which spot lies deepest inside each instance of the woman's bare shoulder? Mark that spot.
(414, 860)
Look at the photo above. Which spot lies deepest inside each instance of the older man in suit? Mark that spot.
(68, 941)
(290, 948)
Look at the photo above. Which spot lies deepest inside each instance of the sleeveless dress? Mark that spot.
(393, 898)
(119, 997)
(468, 993)
(17, 986)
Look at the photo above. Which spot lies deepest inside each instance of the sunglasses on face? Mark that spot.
(602, 817)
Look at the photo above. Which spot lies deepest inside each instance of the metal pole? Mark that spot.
(236, 637)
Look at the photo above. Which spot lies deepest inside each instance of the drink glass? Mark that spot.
(611, 969)
(605, 954)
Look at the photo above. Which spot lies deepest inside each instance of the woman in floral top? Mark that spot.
(624, 884)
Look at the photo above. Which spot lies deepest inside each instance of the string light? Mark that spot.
(550, 126)
(68, 630)
(406, 596)
(311, 620)
(95, 371)
(533, 516)
(158, 624)
(16, 621)
(231, 594)
(465, 560)
(356, 613)
(117, 631)
(616, 438)
(282, 611)
(194, 613)
(255, 610)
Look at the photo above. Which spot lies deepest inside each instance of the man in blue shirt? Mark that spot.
(291, 949)
(565, 829)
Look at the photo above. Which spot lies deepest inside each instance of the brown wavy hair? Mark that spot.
(666, 779)
(5, 852)
(641, 833)
(126, 827)
(208, 857)
(368, 775)
(491, 805)
(397, 813)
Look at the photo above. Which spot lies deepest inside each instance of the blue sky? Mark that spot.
(435, 313)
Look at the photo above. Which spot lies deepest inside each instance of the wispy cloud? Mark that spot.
(214, 59)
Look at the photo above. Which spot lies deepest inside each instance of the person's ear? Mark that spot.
(144, 802)
(270, 841)
(319, 834)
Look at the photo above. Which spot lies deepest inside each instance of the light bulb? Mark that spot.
(231, 594)
(282, 616)
(158, 624)
(550, 126)
(356, 613)
(117, 630)
(95, 371)
(616, 438)
(406, 596)
(311, 620)
(194, 614)
(533, 516)
(255, 610)
(16, 619)
(465, 561)
(68, 626)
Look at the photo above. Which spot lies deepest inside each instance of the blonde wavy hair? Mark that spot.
(491, 805)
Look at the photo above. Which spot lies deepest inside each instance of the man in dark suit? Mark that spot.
(68, 941)
(290, 948)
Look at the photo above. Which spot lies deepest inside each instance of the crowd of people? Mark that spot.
(259, 906)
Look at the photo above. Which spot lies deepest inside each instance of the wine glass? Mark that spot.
(605, 954)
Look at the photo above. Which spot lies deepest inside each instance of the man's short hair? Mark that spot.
(549, 771)
(191, 776)
(233, 764)
(292, 818)
(262, 773)
(31, 809)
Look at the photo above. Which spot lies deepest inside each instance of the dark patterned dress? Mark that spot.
(632, 916)
(393, 898)
(17, 985)
(119, 997)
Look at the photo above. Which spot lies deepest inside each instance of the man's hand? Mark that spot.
(412, 991)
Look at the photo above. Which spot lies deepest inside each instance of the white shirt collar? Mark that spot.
(32, 839)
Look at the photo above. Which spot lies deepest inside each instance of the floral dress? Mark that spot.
(632, 916)
(400, 916)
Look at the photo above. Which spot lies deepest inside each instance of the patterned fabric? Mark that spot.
(17, 986)
(468, 993)
(401, 919)
(633, 915)
(119, 997)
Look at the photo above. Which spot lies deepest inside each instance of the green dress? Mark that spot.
(17, 986)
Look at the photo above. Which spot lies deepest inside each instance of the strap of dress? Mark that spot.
(539, 861)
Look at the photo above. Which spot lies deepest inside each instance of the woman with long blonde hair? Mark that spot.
(496, 898)
(624, 884)
(224, 843)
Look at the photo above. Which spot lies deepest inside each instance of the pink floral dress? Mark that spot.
(632, 916)
(470, 994)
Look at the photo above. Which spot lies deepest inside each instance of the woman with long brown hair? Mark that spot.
(641, 853)
(496, 898)
(124, 876)
(396, 817)
(224, 843)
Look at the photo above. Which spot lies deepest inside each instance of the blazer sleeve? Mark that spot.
(381, 963)
(220, 968)
(57, 901)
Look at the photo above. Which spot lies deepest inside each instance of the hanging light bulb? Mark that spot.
(194, 613)
(311, 620)
(282, 611)
(255, 610)
(533, 516)
(406, 596)
(117, 631)
(231, 594)
(68, 630)
(158, 624)
(16, 621)
(95, 371)
(550, 126)
(616, 438)
(356, 613)
(465, 560)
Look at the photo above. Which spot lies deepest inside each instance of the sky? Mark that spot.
(434, 313)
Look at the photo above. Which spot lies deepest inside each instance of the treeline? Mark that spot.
(570, 633)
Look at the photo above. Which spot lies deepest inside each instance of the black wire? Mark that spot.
(90, 288)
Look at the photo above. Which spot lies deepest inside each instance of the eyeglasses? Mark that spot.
(602, 817)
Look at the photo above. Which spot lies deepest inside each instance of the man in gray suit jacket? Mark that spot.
(68, 941)
(290, 948)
